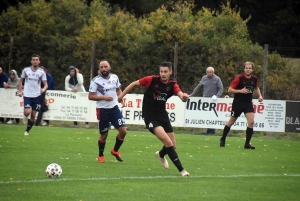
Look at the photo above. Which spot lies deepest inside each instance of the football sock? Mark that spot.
(163, 152)
(249, 132)
(174, 158)
(29, 125)
(101, 146)
(225, 132)
(118, 143)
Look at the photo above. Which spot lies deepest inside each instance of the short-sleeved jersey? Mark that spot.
(156, 96)
(33, 79)
(105, 87)
(241, 81)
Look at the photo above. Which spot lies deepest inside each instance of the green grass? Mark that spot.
(271, 172)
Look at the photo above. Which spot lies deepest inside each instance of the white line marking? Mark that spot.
(147, 178)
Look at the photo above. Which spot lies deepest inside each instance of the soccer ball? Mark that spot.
(53, 170)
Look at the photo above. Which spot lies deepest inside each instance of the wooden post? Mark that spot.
(265, 73)
(175, 61)
(11, 45)
(93, 59)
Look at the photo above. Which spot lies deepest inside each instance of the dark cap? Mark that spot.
(71, 67)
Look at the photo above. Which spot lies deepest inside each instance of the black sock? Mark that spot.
(118, 143)
(29, 125)
(225, 132)
(101, 146)
(174, 158)
(163, 152)
(249, 132)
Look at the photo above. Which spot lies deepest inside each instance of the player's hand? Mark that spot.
(260, 99)
(20, 94)
(244, 90)
(77, 71)
(74, 90)
(120, 100)
(107, 98)
(42, 91)
(185, 96)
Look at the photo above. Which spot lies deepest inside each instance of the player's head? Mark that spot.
(44, 69)
(35, 60)
(210, 71)
(248, 68)
(72, 71)
(165, 71)
(104, 68)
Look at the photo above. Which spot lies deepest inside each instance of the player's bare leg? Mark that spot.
(226, 130)
(249, 131)
(169, 149)
(119, 141)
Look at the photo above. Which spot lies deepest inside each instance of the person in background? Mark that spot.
(3, 79)
(74, 83)
(212, 86)
(44, 108)
(12, 83)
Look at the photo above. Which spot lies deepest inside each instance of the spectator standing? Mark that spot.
(12, 83)
(44, 108)
(212, 86)
(74, 83)
(3, 79)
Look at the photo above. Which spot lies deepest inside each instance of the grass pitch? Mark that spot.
(271, 172)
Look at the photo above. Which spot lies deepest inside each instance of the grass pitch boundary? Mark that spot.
(147, 178)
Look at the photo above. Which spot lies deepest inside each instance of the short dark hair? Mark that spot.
(35, 55)
(166, 64)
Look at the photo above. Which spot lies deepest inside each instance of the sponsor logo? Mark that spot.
(218, 107)
(160, 96)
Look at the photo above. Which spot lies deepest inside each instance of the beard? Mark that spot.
(105, 73)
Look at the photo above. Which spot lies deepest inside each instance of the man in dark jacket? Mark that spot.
(51, 86)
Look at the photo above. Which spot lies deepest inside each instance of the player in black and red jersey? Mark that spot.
(243, 87)
(159, 90)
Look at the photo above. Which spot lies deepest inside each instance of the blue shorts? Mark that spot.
(33, 103)
(112, 115)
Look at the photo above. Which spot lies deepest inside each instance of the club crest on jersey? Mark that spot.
(160, 96)
(168, 88)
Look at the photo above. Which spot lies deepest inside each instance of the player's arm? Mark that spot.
(128, 89)
(232, 88)
(237, 91)
(20, 86)
(118, 91)
(93, 93)
(93, 96)
(260, 98)
(183, 96)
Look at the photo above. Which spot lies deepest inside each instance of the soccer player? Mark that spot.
(33, 76)
(243, 87)
(105, 89)
(159, 90)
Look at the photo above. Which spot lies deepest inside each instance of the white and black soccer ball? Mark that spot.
(53, 170)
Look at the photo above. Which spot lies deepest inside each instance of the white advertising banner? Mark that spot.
(132, 110)
(11, 105)
(69, 106)
(205, 113)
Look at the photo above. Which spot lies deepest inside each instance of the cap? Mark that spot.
(71, 67)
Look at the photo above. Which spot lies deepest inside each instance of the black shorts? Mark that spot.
(153, 123)
(239, 108)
